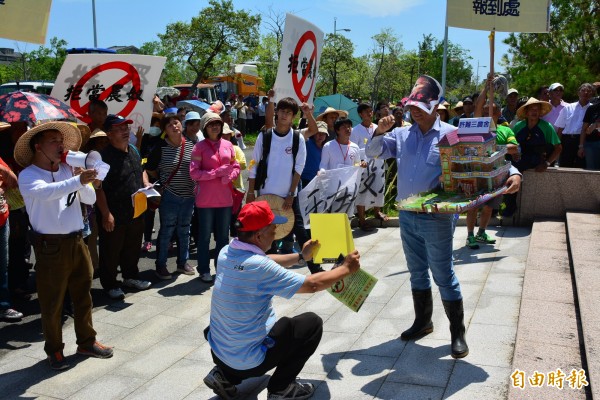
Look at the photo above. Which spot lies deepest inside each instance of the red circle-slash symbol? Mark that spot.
(299, 83)
(131, 75)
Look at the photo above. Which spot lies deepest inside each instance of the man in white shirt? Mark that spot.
(556, 91)
(373, 176)
(283, 167)
(53, 194)
(569, 123)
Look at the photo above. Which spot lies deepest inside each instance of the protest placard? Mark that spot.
(331, 191)
(299, 60)
(125, 82)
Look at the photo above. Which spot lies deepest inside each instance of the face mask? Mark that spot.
(154, 131)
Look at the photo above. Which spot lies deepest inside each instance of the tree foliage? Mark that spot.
(211, 41)
(42, 64)
(569, 53)
(337, 62)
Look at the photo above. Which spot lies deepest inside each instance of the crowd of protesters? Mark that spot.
(71, 218)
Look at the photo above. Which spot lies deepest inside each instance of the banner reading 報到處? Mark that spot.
(24, 20)
(299, 60)
(125, 82)
(500, 15)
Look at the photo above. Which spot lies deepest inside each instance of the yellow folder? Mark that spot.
(334, 235)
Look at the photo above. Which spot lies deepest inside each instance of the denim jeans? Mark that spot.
(212, 219)
(4, 294)
(427, 242)
(175, 216)
(592, 155)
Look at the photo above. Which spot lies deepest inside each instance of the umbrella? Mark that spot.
(195, 105)
(33, 107)
(339, 102)
(167, 91)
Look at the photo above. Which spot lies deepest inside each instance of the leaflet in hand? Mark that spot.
(140, 200)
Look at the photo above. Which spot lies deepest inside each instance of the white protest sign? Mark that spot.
(332, 191)
(125, 82)
(372, 185)
(299, 60)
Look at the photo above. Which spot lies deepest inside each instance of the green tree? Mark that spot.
(569, 53)
(336, 63)
(213, 40)
(267, 58)
(42, 64)
(384, 60)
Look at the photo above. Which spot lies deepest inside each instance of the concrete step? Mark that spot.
(548, 334)
(584, 242)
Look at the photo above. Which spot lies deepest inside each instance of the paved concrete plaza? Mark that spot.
(160, 352)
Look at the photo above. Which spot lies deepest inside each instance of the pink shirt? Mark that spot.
(213, 167)
(552, 116)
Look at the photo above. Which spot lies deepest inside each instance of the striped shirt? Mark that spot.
(241, 313)
(165, 158)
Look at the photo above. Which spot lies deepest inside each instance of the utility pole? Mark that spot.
(94, 23)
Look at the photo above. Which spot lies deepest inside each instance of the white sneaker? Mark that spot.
(206, 277)
(137, 284)
(116, 294)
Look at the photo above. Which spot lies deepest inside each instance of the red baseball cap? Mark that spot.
(257, 215)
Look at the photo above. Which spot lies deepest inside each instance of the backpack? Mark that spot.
(261, 170)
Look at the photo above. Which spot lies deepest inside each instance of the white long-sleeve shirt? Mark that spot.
(46, 201)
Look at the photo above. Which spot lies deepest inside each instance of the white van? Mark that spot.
(27, 86)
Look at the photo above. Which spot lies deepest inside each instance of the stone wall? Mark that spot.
(552, 193)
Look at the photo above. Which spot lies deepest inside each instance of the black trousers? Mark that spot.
(19, 247)
(568, 156)
(121, 247)
(296, 339)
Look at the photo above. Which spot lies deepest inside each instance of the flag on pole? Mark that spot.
(24, 20)
(500, 15)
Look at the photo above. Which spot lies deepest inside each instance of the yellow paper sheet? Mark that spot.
(140, 203)
(334, 235)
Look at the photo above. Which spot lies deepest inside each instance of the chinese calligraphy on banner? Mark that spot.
(299, 60)
(125, 82)
(332, 191)
(24, 20)
(500, 15)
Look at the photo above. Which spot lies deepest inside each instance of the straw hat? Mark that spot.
(329, 110)
(226, 129)
(545, 107)
(276, 204)
(457, 106)
(322, 127)
(4, 125)
(96, 134)
(71, 140)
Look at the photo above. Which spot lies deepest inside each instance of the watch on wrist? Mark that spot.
(291, 194)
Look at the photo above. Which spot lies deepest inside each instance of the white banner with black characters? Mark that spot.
(125, 82)
(372, 186)
(331, 191)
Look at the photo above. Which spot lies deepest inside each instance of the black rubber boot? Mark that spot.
(423, 303)
(456, 315)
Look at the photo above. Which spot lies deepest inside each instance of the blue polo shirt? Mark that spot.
(241, 312)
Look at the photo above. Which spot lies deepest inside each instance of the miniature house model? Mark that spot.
(471, 160)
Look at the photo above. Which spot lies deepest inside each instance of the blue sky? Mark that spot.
(133, 22)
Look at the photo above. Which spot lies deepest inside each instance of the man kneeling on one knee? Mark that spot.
(245, 337)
